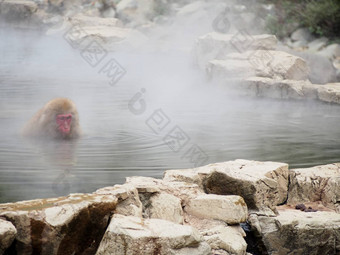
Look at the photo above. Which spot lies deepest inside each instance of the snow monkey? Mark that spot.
(57, 119)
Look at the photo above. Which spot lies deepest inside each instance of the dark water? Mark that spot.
(122, 141)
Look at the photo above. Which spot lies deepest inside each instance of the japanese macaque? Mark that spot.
(57, 119)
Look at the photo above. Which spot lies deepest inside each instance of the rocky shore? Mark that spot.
(235, 207)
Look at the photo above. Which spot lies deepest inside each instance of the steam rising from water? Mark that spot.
(118, 143)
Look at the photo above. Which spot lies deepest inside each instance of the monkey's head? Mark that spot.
(60, 119)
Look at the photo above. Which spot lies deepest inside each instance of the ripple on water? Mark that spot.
(117, 143)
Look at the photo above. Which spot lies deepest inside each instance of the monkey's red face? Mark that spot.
(64, 123)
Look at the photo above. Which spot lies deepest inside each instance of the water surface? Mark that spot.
(119, 142)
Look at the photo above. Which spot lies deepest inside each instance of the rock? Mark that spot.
(317, 44)
(7, 235)
(136, 12)
(132, 235)
(222, 238)
(103, 38)
(85, 21)
(321, 69)
(229, 69)
(149, 186)
(191, 8)
(158, 199)
(165, 206)
(262, 185)
(329, 93)
(274, 64)
(17, 10)
(218, 45)
(332, 51)
(262, 63)
(22, 14)
(229, 239)
(297, 232)
(303, 35)
(281, 89)
(64, 225)
(319, 183)
(129, 203)
(230, 209)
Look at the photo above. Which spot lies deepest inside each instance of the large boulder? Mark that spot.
(262, 63)
(263, 185)
(164, 206)
(226, 240)
(230, 209)
(329, 93)
(319, 183)
(23, 14)
(17, 10)
(281, 89)
(331, 51)
(129, 203)
(7, 235)
(66, 225)
(302, 35)
(102, 38)
(297, 232)
(132, 235)
(216, 45)
(138, 12)
(84, 21)
(321, 69)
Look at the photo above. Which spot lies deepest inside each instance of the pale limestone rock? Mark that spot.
(282, 89)
(7, 234)
(129, 203)
(229, 239)
(331, 51)
(158, 199)
(148, 185)
(85, 21)
(191, 8)
(167, 207)
(56, 225)
(135, 12)
(132, 235)
(272, 64)
(261, 184)
(319, 183)
(230, 209)
(103, 38)
(297, 232)
(229, 69)
(181, 175)
(329, 93)
(317, 44)
(321, 70)
(218, 45)
(17, 9)
(222, 238)
(303, 35)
